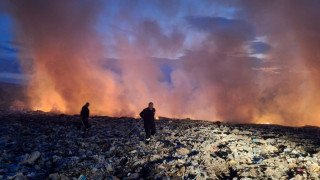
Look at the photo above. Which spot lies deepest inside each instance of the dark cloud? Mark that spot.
(151, 35)
(216, 25)
(260, 47)
(8, 49)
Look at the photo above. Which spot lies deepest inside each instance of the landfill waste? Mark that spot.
(38, 145)
(82, 177)
(30, 159)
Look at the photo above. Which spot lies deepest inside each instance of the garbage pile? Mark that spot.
(37, 145)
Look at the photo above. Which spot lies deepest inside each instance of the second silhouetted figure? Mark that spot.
(85, 115)
(148, 116)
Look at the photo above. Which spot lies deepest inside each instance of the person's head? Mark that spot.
(87, 104)
(150, 105)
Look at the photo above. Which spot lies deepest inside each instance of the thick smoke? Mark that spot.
(66, 50)
(291, 96)
(216, 77)
(222, 67)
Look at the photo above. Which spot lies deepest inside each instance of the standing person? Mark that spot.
(148, 117)
(85, 115)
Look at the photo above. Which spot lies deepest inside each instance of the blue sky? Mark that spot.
(9, 64)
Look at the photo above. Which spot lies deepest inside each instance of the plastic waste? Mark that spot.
(82, 177)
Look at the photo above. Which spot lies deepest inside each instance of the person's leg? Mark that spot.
(153, 129)
(83, 123)
(79, 124)
(86, 123)
(148, 132)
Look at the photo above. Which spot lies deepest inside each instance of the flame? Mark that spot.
(137, 116)
(269, 119)
(265, 123)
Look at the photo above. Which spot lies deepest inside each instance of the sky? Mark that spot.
(9, 64)
(107, 27)
(234, 61)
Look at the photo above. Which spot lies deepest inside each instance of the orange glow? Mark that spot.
(265, 123)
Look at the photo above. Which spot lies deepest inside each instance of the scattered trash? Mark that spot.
(257, 160)
(30, 159)
(82, 177)
(300, 169)
(232, 162)
(215, 148)
(183, 151)
(37, 145)
(255, 140)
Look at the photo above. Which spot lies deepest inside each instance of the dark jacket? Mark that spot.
(84, 112)
(148, 116)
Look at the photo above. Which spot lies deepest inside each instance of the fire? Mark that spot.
(265, 123)
(137, 116)
(47, 98)
(269, 119)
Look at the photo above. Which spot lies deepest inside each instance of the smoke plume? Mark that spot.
(261, 65)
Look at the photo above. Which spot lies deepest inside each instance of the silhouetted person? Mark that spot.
(85, 115)
(148, 117)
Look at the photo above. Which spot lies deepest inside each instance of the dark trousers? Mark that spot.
(85, 122)
(150, 129)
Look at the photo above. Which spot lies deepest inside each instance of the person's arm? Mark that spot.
(142, 114)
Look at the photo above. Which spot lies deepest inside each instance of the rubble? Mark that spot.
(37, 145)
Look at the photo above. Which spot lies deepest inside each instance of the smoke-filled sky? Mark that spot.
(236, 61)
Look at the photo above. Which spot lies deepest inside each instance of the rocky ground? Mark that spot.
(37, 145)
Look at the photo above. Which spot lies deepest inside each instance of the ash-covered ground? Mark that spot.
(36, 145)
